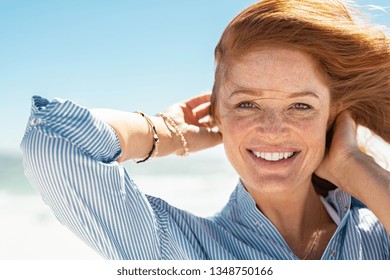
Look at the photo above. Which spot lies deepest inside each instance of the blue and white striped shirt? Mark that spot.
(70, 157)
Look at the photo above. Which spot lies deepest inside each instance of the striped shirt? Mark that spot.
(69, 156)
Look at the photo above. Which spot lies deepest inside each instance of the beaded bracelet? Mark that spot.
(178, 132)
(154, 150)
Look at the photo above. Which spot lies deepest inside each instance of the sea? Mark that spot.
(200, 183)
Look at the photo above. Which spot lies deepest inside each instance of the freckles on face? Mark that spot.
(273, 110)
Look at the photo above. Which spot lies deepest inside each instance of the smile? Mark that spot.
(273, 156)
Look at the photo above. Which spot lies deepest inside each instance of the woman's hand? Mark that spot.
(343, 149)
(193, 117)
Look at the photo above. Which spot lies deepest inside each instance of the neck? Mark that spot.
(295, 214)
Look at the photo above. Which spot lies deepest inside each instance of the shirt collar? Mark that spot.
(340, 201)
(246, 206)
(243, 210)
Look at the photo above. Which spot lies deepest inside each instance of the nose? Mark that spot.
(272, 124)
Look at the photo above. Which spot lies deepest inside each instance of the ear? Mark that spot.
(214, 114)
(216, 123)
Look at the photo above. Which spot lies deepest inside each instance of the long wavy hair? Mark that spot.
(353, 55)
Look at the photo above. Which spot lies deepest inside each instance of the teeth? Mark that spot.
(273, 156)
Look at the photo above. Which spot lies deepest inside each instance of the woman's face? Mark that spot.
(273, 110)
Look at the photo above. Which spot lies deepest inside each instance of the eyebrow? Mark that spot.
(260, 93)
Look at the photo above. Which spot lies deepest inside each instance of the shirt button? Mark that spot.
(332, 253)
(36, 121)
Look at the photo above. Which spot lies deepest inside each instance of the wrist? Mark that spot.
(355, 172)
(176, 130)
(369, 183)
(169, 142)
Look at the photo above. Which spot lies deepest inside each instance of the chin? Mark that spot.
(269, 184)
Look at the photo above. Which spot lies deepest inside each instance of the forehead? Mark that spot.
(276, 69)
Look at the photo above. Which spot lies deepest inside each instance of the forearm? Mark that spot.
(370, 183)
(136, 136)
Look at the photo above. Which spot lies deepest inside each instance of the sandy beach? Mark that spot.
(30, 230)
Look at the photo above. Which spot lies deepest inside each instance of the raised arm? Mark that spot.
(70, 155)
(136, 136)
(355, 172)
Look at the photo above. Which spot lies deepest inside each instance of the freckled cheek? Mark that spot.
(235, 126)
(315, 142)
(234, 132)
(314, 136)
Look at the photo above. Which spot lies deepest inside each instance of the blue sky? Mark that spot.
(128, 55)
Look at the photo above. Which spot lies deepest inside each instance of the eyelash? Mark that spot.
(246, 105)
(296, 106)
(302, 106)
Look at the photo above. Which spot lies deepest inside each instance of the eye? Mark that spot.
(301, 106)
(246, 105)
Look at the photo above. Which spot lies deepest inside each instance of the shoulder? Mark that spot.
(359, 220)
(355, 212)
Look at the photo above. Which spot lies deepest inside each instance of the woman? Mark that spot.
(293, 78)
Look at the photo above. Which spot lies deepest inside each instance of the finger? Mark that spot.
(196, 115)
(196, 101)
(206, 122)
(202, 110)
(345, 127)
(345, 117)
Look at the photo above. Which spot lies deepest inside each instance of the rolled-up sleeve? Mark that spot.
(69, 157)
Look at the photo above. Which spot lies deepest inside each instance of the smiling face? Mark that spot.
(273, 109)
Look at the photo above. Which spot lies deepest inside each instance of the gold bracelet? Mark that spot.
(178, 132)
(153, 152)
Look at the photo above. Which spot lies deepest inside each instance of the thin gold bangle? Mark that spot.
(178, 132)
(154, 151)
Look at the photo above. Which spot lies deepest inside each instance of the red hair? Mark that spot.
(354, 58)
